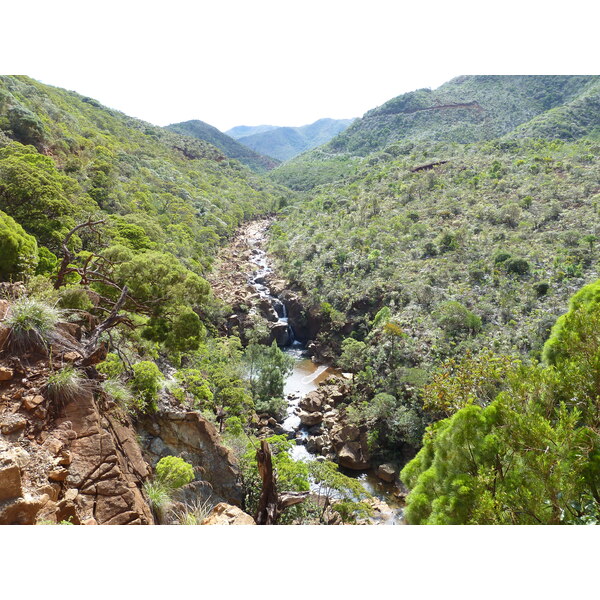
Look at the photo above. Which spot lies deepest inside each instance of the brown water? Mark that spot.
(305, 378)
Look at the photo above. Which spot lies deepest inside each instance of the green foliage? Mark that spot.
(456, 319)
(519, 266)
(585, 302)
(112, 366)
(187, 332)
(390, 421)
(31, 324)
(18, 250)
(531, 455)
(37, 195)
(65, 386)
(345, 494)
(160, 497)
(119, 393)
(146, 385)
(75, 298)
(267, 368)
(195, 384)
(470, 379)
(174, 472)
(291, 476)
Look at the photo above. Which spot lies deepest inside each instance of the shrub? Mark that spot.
(18, 250)
(159, 496)
(541, 289)
(187, 332)
(456, 319)
(501, 257)
(119, 393)
(75, 298)
(174, 472)
(146, 384)
(31, 324)
(518, 266)
(112, 366)
(65, 385)
(195, 513)
(274, 407)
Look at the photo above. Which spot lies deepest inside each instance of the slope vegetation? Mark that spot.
(203, 131)
(467, 109)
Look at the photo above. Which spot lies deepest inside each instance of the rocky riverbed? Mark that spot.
(317, 395)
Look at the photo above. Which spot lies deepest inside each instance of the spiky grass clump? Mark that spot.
(65, 385)
(194, 513)
(120, 394)
(31, 323)
(160, 498)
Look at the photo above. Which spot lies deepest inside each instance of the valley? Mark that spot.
(393, 321)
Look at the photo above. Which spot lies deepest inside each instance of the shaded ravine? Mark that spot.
(305, 378)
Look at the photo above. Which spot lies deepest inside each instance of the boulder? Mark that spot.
(310, 419)
(32, 402)
(312, 402)
(352, 455)
(10, 478)
(280, 333)
(386, 472)
(226, 514)
(23, 511)
(6, 374)
(11, 423)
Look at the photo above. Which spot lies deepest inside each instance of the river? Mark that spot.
(304, 378)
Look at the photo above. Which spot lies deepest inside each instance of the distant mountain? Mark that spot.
(467, 109)
(286, 142)
(208, 133)
(244, 130)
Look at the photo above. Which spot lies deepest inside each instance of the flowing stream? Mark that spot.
(306, 377)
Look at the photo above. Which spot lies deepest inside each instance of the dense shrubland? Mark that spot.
(530, 455)
(105, 217)
(439, 269)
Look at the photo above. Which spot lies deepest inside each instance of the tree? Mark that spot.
(18, 250)
(37, 195)
(267, 368)
(353, 355)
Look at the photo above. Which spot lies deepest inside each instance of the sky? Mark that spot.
(233, 62)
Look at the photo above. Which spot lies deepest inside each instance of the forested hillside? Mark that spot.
(467, 109)
(231, 148)
(440, 261)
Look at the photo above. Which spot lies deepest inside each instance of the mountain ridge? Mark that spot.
(285, 142)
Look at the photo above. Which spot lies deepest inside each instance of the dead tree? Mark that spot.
(271, 505)
(68, 256)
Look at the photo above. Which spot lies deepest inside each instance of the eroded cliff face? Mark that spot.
(173, 432)
(84, 465)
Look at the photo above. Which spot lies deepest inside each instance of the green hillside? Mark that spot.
(100, 160)
(286, 142)
(231, 148)
(443, 258)
(467, 109)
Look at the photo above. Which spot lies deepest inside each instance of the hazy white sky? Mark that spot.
(233, 62)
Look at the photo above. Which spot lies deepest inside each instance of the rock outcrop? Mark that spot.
(226, 514)
(189, 435)
(76, 459)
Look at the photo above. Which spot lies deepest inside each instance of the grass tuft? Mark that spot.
(31, 323)
(194, 513)
(65, 385)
